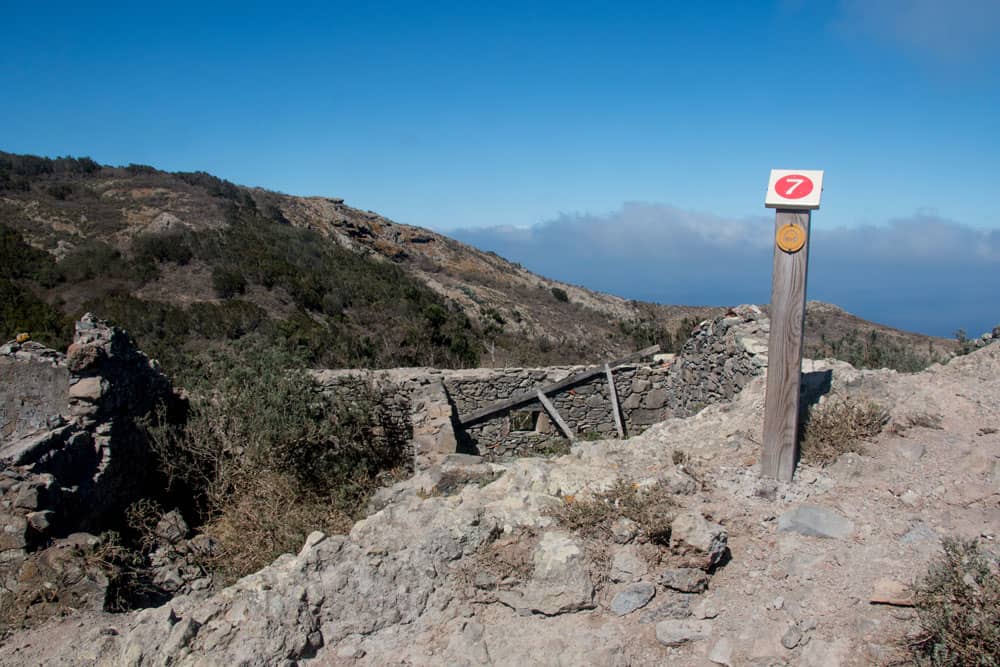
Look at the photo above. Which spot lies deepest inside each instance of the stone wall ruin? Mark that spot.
(714, 365)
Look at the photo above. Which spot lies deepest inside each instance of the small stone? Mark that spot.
(676, 605)
(677, 632)
(27, 498)
(909, 498)
(40, 521)
(816, 521)
(778, 602)
(624, 530)
(172, 527)
(891, 592)
(791, 638)
(633, 597)
(87, 389)
(627, 566)
(704, 609)
(349, 651)
(685, 580)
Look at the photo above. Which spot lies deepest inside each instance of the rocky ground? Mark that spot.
(466, 564)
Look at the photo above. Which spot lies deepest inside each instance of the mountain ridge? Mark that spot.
(149, 240)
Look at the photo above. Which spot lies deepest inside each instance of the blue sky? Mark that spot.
(475, 118)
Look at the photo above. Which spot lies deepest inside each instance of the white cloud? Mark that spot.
(921, 271)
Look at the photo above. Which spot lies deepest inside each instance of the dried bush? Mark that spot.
(652, 508)
(838, 426)
(958, 606)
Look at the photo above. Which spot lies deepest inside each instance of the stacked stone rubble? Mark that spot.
(73, 453)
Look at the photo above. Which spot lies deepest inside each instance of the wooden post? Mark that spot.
(784, 350)
(551, 409)
(613, 392)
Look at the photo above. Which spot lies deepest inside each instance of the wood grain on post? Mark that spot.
(784, 353)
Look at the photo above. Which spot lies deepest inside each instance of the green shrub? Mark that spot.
(872, 350)
(267, 459)
(228, 282)
(958, 607)
(21, 261)
(94, 259)
(21, 311)
(166, 247)
(560, 294)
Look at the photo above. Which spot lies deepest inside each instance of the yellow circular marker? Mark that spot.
(791, 237)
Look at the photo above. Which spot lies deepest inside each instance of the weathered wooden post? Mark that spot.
(794, 194)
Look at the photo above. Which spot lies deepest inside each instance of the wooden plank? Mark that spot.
(613, 393)
(529, 396)
(784, 355)
(551, 409)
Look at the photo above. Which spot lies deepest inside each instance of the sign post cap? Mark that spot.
(794, 189)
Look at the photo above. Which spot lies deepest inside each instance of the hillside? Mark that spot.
(187, 262)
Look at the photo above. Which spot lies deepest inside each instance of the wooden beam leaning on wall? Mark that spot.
(551, 409)
(532, 395)
(613, 394)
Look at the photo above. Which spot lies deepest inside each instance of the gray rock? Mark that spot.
(632, 597)
(675, 605)
(559, 582)
(676, 632)
(816, 521)
(40, 521)
(698, 542)
(624, 530)
(685, 579)
(27, 498)
(627, 566)
(791, 638)
(654, 399)
(172, 527)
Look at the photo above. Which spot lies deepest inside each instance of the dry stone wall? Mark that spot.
(586, 407)
(716, 363)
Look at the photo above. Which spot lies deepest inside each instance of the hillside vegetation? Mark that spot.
(188, 262)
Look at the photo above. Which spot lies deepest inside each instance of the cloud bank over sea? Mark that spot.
(921, 272)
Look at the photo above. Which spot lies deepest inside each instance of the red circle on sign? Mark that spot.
(793, 186)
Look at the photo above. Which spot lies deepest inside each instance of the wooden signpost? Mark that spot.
(793, 194)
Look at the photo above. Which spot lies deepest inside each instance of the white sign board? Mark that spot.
(794, 188)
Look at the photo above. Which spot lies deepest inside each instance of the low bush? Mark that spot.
(560, 294)
(838, 426)
(958, 607)
(265, 459)
(872, 350)
(23, 312)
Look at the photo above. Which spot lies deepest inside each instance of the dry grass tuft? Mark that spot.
(839, 426)
(652, 508)
(958, 606)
